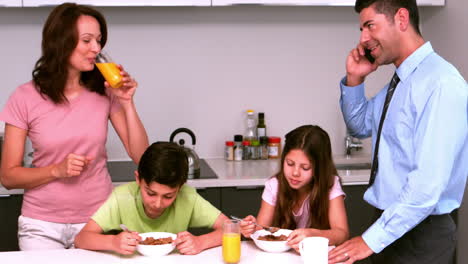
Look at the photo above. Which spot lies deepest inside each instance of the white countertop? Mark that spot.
(255, 173)
(249, 254)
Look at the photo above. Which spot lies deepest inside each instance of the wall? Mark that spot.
(446, 28)
(201, 68)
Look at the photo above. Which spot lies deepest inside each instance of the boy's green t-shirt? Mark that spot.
(124, 206)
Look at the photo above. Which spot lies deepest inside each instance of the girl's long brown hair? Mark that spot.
(315, 143)
(59, 39)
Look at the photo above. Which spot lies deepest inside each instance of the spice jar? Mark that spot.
(247, 150)
(238, 150)
(274, 147)
(255, 147)
(229, 150)
(263, 148)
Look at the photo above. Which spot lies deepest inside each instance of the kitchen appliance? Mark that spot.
(193, 159)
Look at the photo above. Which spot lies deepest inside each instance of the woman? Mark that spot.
(64, 111)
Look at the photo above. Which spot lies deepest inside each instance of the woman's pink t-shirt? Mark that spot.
(302, 215)
(78, 127)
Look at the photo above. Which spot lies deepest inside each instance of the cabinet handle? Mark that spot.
(247, 187)
(4, 195)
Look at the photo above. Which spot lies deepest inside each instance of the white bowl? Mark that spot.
(156, 250)
(271, 246)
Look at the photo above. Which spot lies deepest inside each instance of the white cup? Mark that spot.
(314, 250)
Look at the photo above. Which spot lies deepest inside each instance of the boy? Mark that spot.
(159, 200)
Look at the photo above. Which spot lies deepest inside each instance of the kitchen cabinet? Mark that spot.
(241, 201)
(237, 201)
(360, 213)
(10, 210)
(36, 3)
(311, 2)
(10, 3)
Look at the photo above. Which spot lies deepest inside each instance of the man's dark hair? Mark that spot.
(165, 163)
(390, 7)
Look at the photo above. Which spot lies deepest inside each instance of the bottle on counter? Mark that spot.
(238, 150)
(247, 150)
(255, 145)
(274, 147)
(261, 127)
(229, 150)
(250, 132)
(263, 148)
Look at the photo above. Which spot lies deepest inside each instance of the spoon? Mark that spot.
(124, 228)
(269, 229)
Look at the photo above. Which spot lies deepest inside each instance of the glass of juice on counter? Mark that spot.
(109, 70)
(231, 241)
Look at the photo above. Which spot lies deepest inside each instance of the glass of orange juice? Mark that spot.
(231, 241)
(109, 69)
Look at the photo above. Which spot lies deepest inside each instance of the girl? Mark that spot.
(305, 195)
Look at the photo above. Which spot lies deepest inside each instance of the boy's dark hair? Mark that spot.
(165, 163)
(390, 7)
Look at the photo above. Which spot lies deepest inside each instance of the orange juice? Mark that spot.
(231, 247)
(111, 73)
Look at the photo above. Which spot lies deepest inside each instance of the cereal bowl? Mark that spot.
(271, 246)
(156, 250)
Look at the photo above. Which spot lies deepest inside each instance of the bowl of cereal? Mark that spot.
(155, 244)
(272, 242)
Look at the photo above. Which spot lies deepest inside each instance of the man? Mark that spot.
(421, 152)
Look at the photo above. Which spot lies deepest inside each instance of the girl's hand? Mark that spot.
(247, 228)
(72, 165)
(126, 242)
(188, 244)
(298, 235)
(127, 90)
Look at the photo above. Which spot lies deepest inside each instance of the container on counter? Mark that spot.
(274, 147)
(229, 150)
(251, 124)
(261, 127)
(238, 150)
(263, 148)
(247, 150)
(255, 145)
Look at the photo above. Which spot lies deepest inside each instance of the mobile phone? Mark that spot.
(367, 53)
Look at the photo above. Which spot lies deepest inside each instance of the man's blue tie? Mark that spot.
(388, 98)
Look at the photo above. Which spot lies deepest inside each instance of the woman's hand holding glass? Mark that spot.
(129, 85)
(247, 226)
(72, 165)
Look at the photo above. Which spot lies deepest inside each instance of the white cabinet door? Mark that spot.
(431, 2)
(311, 2)
(10, 3)
(34, 3)
(286, 2)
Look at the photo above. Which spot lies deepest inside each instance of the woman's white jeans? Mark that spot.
(34, 234)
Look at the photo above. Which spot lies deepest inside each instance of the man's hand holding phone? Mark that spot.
(358, 65)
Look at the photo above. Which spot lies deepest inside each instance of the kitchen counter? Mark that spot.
(244, 173)
(249, 254)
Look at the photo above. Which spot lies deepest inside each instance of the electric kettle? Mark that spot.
(193, 159)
